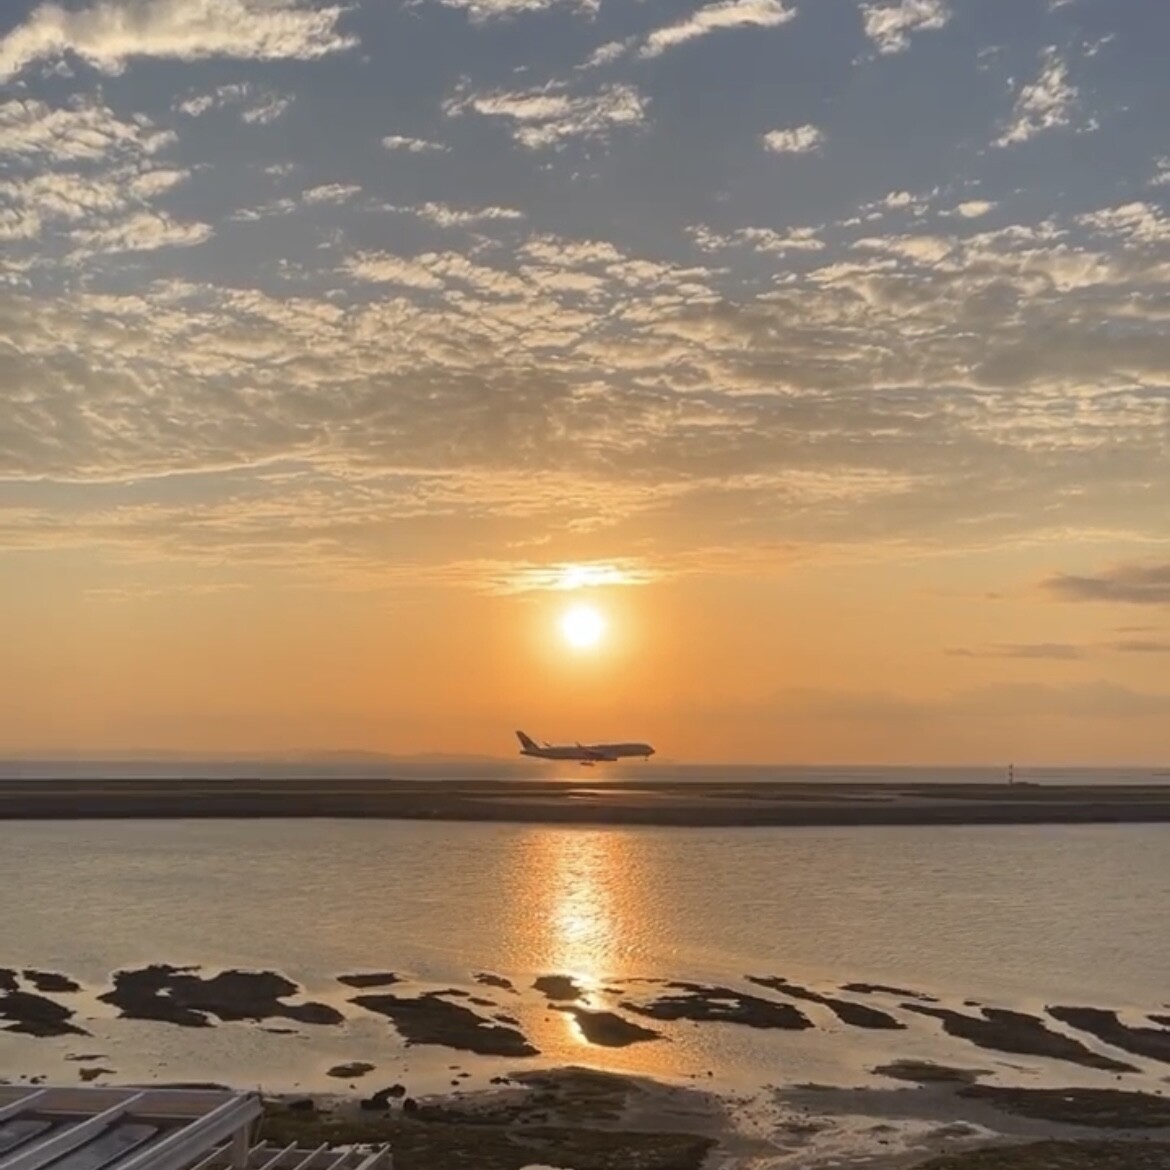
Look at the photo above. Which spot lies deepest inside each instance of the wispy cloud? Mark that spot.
(1141, 646)
(264, 106)
(726, 14)
(1048, 103)
(891, 26)
(268, 110)
(109, 33)
(551, 115)
(1125, 584)
(217, 99)
(485, 10)
(608, 53)
(444, 215)
(527, 578)
(975, 208)
(331, 193)
(1034, 651)
(800, 239)
(794, 140)
(413, 145)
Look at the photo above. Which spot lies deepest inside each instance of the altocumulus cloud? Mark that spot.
(548, 116)
(1047, 103)
(794, 140)
(891, 26)
(541, 306)
(110, 33)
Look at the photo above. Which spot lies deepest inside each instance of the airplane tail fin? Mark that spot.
(526, 742)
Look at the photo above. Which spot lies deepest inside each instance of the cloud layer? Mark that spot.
(110, 33)
(666, 297)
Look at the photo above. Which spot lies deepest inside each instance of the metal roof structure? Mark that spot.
(101, 1128)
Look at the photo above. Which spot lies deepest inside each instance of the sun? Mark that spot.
(582, 626)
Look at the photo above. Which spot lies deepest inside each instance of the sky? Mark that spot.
(821, 346)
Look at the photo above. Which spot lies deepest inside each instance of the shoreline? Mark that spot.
(593, 1119)
(695, 804)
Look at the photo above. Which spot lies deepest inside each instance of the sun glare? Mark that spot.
(582, 626)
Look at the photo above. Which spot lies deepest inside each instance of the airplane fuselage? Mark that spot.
(584, 753)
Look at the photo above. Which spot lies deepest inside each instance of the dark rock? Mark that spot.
(856, 1015)
(410, 1105)
(1007, 1031)
(608, 1029)
(430, 1019)
(925, 1072)
(1096, 1108)
(175, 995)
(303, 1105)
(34, 1015)
(146, 994)
(490, 980)
(92, 1074)
(369, 979)
(1151, 1043)
(319, 1014)
(357, 1068)
(885, 989)
(51, 983)
(697, 1001)
(8, 980)
(558, 988)
(86, 1058)
(201, 1086)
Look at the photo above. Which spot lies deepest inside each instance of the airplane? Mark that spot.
(586, 754)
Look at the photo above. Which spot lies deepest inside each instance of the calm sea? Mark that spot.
(1007, 916)
(651, 771)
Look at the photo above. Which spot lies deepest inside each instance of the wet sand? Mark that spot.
(697, 804)
(507, 1109)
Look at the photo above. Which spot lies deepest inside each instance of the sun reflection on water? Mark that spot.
(582, 887)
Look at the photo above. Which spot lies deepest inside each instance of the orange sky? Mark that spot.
(891, 659)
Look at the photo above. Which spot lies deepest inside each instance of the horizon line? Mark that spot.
(357, 756)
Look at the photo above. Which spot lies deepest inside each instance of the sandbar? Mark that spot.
(665, 803)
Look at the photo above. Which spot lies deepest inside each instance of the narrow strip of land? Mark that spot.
(564, 802)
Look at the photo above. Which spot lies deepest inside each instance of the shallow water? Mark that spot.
(1009, 916)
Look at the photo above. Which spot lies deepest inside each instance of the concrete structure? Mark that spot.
(100, 1128)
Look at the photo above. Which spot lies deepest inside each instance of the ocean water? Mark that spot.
(1004, 916)
(657, 770)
